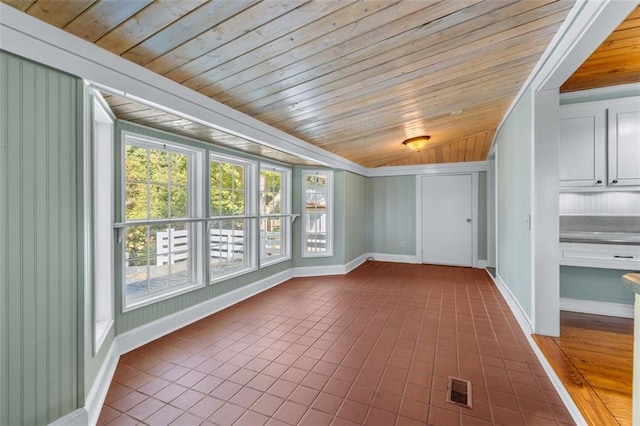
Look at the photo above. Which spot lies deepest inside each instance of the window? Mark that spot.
(232, 233)
(275, 204)
(102, 212)
(317, 188)
(160, 241)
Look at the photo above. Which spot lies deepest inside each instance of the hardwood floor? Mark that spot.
(593, 357)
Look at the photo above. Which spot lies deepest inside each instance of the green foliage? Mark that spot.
(155, 188)
(227, 185)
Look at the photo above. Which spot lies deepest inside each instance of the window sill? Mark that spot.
(270, 262)
(231, 274)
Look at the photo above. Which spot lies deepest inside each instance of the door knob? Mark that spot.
(468, 220)
(599, 182)
(614, 181)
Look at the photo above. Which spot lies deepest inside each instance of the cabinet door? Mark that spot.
(582, 146)
(624, 143)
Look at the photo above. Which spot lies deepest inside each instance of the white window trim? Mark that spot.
(329, 251)
(251, 203)
(285, 200)
(195, 207)
(101, 145)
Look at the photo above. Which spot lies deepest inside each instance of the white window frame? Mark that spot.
(286, 218)
(194, 210)
(328, 252)
(102, 213)
(250, 197)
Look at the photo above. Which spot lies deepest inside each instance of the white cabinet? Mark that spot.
(624, 143)
(583, 145)
(600, 144)
(608, 256)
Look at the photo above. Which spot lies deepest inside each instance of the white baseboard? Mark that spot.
(482, 264)
(353, 264)
(317, 271)
(98, 392)
(526, 325)
(74, 418)
(597, 308)
(516, 308)
(398, 258)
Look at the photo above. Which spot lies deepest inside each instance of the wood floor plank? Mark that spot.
(585, 398)
(618, 403)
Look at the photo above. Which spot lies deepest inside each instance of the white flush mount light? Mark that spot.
(456, 112)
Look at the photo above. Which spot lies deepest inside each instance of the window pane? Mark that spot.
(228, 245)
(316, 218)
(158, 202)
(135, 164)
(179, 169)
(135, 201)
(271, 238)
(178, 201)
(158, 166)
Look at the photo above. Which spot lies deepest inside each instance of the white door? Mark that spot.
(447, 231)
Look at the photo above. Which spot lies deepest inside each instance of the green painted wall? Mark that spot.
(391, 211)
(338, 222)
(135, 318)
(39, 255)
(355, 216)
(514, 201)
(600, 285)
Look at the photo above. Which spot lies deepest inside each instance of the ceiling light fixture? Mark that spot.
(456, 112)
(417, 143)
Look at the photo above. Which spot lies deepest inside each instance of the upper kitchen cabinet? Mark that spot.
(624, 143)
(600, 144)
(582, 145)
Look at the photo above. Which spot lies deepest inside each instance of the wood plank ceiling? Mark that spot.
(616, 61)
(353, 77)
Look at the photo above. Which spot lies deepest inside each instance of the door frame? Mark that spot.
(474, 215)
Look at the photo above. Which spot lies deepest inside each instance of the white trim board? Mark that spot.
(597, 308)
(396, 258)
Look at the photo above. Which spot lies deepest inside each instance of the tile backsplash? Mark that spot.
(600, 203)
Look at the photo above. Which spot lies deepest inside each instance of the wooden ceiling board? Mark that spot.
(380, 47)
(155, 17)
(360, 90)
(22, 5)
(206, 18)
(353, 77)
(62, 12)
(616, 61)
(348, 25)
(207, 68)
(234, 36)
(102, 17)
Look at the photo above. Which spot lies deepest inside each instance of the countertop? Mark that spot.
(619, 230)
(596, 237)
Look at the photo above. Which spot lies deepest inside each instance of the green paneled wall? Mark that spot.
(39, 288)
(355, 213)
(601, 285)
(391, 211)
(514, 201)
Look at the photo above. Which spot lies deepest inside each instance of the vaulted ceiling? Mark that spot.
(353, 77)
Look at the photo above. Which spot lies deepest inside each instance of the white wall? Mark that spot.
(513, 176)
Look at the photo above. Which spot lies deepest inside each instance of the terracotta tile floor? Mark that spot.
(373, 347)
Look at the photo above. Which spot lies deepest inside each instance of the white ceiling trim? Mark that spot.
(36, 40)
(427, 169)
